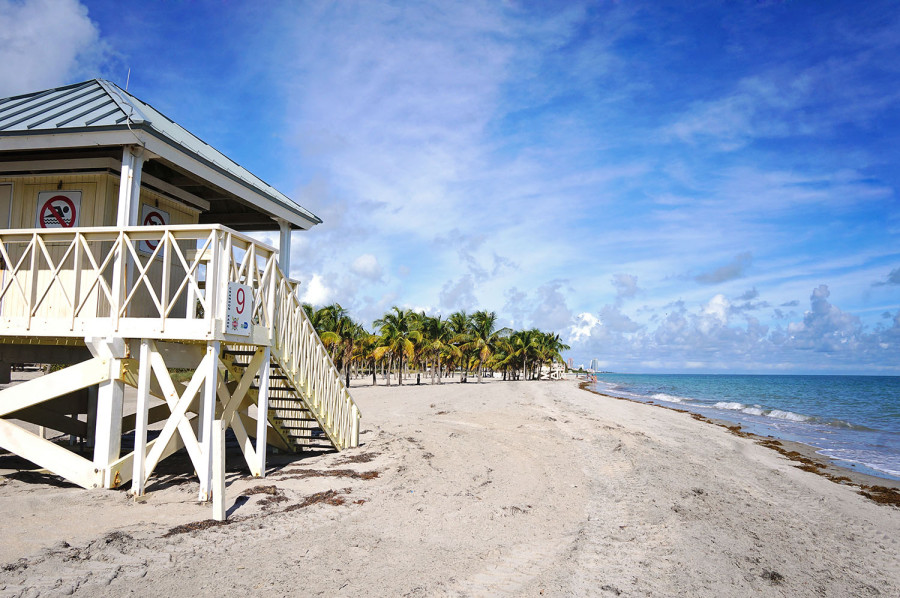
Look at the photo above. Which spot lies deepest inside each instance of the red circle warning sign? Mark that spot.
(58, 212)
(153, 219)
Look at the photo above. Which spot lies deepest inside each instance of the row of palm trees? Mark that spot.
(407, 341)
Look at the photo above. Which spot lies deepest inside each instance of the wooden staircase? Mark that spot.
(308, 406)
(292, 421)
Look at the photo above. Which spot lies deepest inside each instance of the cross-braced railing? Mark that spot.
(137, 282)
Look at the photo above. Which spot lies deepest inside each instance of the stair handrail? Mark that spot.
(303, 357)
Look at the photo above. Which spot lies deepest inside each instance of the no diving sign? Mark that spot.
(151, 216)
(58, 209)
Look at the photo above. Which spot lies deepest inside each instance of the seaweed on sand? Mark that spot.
(330, 473)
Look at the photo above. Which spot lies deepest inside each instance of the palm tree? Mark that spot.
(399, 333)
(550, 347)
(459, 329)
(503, 356)
(339, 333)
(482, 337)
(315, 316)
(525, 343)
(364, 351)
(436, 333)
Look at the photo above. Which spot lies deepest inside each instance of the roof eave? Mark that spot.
(155, 142)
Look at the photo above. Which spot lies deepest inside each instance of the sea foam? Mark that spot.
(661, 396)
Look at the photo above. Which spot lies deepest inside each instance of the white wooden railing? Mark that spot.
(167, 283)
(136, 282)
(303, 358)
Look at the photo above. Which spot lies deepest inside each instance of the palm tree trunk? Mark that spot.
(390, 365)
(480, 363)
(400, 371)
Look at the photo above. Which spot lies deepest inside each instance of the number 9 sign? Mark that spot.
(239, 309)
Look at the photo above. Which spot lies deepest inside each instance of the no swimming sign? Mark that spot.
(58, 209)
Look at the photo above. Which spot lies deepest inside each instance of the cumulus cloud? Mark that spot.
(718, 308)
(46, 43)
(459, 294)
(718, 335)
(626, 286)
(515, 307)
(731, 271)
(892, 279)
(367, 266)
(551, 311)
(615, 321)
(316, 291)
(824, 328)
(749, 295)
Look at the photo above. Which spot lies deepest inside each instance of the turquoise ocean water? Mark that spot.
(853, 419)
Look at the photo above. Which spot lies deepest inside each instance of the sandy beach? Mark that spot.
(498, 489)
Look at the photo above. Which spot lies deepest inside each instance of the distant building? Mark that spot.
(595, 365)
(571, 363)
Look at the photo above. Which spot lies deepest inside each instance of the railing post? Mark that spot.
(271, 304)
(32, 296)
(76, 263)
(118, 279)
(213, 281)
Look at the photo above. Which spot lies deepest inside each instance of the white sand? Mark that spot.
(502, 489)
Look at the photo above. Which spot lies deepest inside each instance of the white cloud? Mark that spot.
(367, 266)
(626, 286)
(45, 43)
(317, 292)
(718, 308)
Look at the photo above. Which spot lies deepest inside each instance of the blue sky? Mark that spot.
(674, 187)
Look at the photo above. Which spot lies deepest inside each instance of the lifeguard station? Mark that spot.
(124, 257)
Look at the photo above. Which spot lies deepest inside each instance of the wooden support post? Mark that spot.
(110, 396)
(284, 246)
(218, 470)
(354, 426)
(262, 411)
(108, 433)
(91, 416)
(207, 416)
(138, 477)
(129, 186)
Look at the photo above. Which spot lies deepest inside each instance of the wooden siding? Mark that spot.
(99, 204)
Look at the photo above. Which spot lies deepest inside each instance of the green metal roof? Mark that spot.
(99, 105)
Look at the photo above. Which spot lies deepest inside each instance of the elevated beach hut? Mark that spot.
(124, 255)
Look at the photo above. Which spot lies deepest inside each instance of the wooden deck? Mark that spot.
(143, 300)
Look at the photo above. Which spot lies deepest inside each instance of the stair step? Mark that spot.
(273, 388)
(239, 352)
